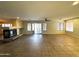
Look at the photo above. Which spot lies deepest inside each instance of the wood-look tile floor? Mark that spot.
(41, 46)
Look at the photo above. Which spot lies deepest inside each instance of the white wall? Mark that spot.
(75, 32)
(52, 27)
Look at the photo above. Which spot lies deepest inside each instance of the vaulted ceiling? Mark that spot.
(36, 10)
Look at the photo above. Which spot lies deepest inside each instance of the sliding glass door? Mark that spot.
(37, 28)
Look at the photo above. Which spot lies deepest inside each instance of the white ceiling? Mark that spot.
(32, 10)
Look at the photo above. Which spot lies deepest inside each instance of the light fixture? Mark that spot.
(18, 17)
(75, 3)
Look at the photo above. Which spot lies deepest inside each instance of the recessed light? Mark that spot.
(75, 3)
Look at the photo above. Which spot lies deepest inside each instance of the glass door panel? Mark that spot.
(37, 27)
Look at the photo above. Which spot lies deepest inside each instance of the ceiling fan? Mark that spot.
(46, 19)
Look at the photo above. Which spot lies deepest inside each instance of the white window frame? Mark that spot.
(44, 25)
(60, 26)
(69, 26)
(29, 27)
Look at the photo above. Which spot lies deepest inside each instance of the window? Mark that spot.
(60, 26)
(3, 25)
(35, 26)
(44, 26)
(29, 27)
(6, 25)
(69, 26)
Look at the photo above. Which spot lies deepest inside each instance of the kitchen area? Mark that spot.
(10, 29)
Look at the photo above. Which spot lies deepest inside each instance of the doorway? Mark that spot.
(37, 28)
